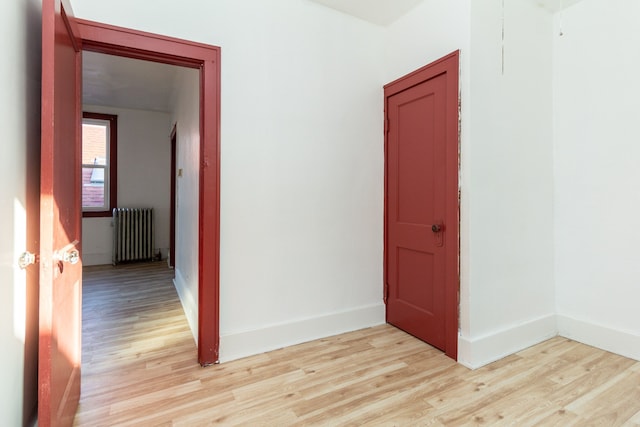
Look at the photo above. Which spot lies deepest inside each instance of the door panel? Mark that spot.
(60, 219)
(415, 268)
(416, 136)
(421, 212)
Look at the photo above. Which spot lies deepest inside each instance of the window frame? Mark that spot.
(111, 168)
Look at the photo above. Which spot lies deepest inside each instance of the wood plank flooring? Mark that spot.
(139, 369)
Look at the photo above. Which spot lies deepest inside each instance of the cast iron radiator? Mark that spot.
(133, 233)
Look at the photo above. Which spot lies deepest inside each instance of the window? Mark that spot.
(99, 170)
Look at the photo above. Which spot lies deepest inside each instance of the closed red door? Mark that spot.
(422, 204)
(60, 219)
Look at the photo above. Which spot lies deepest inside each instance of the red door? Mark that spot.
(60, 219)
(421, 221)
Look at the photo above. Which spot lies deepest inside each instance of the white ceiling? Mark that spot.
(128, 83)
(381, 12)
(385, 12)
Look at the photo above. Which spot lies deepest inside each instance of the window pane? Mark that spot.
(92, 191)
(99, 139)
(94, 144)
(97, 176)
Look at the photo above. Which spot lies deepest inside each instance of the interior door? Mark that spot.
(60, 218)
(421, 220)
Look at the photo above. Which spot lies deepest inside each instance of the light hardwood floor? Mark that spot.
(139, 368)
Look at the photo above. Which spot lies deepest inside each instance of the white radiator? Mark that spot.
(133, 233)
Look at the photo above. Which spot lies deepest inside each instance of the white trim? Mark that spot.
(242, 344)
(187, 299)
(477, 352)
(624, 343)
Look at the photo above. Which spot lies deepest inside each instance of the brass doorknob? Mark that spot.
(436, 228)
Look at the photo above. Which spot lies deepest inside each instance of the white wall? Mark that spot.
(186, 117)
(507, 174)
(597, 195)
(428, 32)
(20, 111)
(144, 156)
(302, 163)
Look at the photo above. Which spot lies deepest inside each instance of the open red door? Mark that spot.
(60, 218)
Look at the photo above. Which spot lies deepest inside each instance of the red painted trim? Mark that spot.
(448, 65)
(172, 209)
(104, 38)
(72, 27)
(113, 40)
(209, 220)
(113, 163)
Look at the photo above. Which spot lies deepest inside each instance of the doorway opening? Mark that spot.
(121, 42)
(147, 99)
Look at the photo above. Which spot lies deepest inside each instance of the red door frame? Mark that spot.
(448, 65)
(102, 38)
(172, 210)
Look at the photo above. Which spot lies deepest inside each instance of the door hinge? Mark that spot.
(386, 126)
(385, 296)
